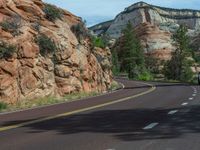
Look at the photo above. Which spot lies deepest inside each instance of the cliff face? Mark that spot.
(156, 42)
(154, 25)
(159, 16)
(74, 67)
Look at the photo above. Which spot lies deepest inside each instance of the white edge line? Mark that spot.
(184, 104)
(150, 126)
(172, 112)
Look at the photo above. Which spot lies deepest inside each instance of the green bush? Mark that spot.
(115, 63)
(152, 64)
(6, 50)
(12, 25)
(52, 12)
(114, 86)
(98, 42)
(36, 26)
(187, 74)
(80, 31)
(3, 106)
(46, 45)
(145, 76)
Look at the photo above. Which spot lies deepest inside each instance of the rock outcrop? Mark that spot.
(142, 12)
(156, 43)
(154, 26)
(74, 67)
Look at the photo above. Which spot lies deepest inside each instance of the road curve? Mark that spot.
(165, 118)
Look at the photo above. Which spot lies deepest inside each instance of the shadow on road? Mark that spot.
(160, 85)
(126, 125)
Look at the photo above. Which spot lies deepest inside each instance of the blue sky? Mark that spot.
(96, 11)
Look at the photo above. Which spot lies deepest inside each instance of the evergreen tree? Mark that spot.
(178, 68)
(115, 62)
(132, 57)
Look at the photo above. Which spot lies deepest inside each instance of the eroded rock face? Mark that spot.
(142, 12)
(29, 75)
(154, 26)
(156, 42)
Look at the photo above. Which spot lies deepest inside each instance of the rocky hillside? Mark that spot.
(154, 25)
(142, 12)
(41, 56)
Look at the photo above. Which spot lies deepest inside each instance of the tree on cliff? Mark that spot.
(179, 67)
(132, 56)
(115, 62)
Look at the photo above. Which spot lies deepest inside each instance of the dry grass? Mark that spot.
(27, 104)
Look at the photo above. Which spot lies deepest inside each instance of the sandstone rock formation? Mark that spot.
(156, 42)
(155, 26)
(29, 75)
(142, 12)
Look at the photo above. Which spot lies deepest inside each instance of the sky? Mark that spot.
(97, 11)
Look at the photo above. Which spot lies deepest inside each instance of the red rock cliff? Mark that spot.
(28, 75)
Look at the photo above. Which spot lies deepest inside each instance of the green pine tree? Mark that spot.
(115, 62)
(179, 67)
(132, 59)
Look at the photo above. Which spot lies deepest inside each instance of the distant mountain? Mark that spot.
(141, 12)
(154, 26)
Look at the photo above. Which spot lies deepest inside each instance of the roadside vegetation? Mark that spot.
(3, 106)
(26, 104)
(12, 25)
(179, 67)
(80, 31)
(6, 50)
(49, 100)
(114, 86)
(47, 45)
(52, 13)
(101, 41)
(128, 57)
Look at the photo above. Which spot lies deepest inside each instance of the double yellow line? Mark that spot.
(77, 111)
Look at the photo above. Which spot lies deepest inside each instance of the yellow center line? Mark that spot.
(78, 111)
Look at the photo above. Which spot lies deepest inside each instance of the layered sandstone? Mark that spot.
(29, 75)
(156, 42)
(142, 12)
(154, 26)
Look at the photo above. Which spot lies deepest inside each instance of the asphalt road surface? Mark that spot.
(163, 116)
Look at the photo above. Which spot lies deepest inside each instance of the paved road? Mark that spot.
(167, 118)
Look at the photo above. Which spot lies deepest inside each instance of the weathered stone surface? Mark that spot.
(154, 26)
(63, 71)
(156, 42)
(29, 50)
(142, 12)
(9, 67)
(28, 75)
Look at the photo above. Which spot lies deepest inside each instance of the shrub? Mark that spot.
(187, 74)
(98, 42)
(114, 85)
(6, 50)
(36, 26)
(3, 106)
(46, 45)
(52, 12)
(115, 63)
(145, 76)
(80, 31)
(12, 25)
(152, 64)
